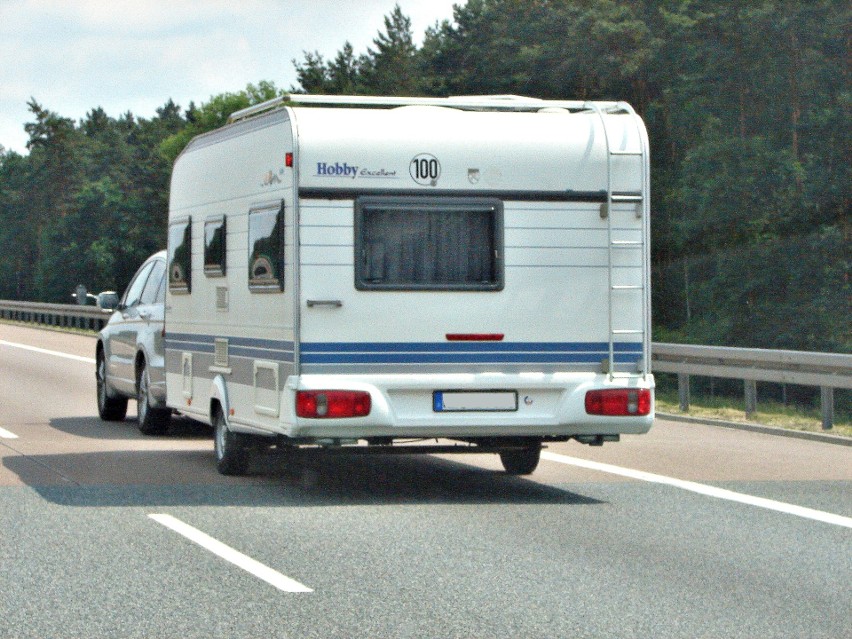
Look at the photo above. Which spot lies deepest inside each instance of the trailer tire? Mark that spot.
(232, 449)
(110, 409)
(152, 421)
(521, 461)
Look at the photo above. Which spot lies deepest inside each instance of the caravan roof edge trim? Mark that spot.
(483, 102)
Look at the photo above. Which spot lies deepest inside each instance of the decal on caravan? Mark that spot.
(361, 271)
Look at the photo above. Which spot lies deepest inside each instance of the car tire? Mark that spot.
(521, 461)
(232, 449)
(110, 408)
(152, 420)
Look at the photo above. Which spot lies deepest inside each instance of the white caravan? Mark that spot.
(369, 271)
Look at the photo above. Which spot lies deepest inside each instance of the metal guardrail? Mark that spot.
(825, 370)
(68, 315)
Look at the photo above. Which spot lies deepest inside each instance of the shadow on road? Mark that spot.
(95, 428)
(184, 474)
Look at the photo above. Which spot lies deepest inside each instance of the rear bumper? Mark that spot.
(551, 404)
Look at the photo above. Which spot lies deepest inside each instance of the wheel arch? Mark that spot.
(218, 399)
(141, 358)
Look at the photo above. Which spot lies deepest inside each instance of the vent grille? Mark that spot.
(221, 298)
(220, 352)
(186, 370)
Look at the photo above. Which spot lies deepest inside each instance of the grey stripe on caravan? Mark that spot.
(242, 368)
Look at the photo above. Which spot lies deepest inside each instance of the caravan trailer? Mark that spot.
(471, 274)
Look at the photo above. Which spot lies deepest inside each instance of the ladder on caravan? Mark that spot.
(642, 204)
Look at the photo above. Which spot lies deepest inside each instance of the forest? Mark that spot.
(747, 106)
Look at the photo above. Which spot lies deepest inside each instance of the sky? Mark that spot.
(134, 55)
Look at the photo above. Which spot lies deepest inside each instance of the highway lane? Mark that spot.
(402, 546)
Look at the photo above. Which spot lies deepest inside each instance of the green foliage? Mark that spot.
(214, 114)
(747, 106)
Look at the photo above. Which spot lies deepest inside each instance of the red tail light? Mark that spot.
(619, 401)
(330, 404)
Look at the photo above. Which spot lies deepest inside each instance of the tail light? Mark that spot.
(330, 404)
(619, 401)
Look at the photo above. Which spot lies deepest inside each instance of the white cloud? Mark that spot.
(75, 55)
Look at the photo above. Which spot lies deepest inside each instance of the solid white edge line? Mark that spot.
(703, 489)
(44, 351)
(265, 573)
(5, 434)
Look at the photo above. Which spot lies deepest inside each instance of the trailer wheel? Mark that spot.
(522, 461)
(232, 449)
(152, 421)
(110, 409)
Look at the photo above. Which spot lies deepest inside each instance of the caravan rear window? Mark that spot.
(428, 244)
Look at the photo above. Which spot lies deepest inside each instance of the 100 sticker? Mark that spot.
(425, 169)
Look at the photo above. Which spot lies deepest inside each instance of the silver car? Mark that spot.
(130, 351)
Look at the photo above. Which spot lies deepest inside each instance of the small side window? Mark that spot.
(134, 292)
(214, 247)
(266, 249)
(180, 263)
(155, 279)
(161, 290)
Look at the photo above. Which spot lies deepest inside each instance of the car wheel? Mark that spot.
(521, 461)
(110, 409)
(152, 421)
(232, 449)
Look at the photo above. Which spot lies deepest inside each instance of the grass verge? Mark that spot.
(768, 413)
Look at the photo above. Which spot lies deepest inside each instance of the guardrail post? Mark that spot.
(827, 404)
(683, 392)
(750, 398)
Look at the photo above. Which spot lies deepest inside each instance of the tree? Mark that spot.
(391, 68)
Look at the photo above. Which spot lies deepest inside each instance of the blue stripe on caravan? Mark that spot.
(463, 358)
(278, 350)
(467, 353)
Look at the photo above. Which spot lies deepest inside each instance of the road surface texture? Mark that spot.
(688, 531)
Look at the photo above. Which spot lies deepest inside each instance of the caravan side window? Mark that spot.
(180, 258)
(214, 247)
(428, 244)
(266, 248)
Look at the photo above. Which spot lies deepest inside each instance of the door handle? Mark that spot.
(145, 315)
(332, 303)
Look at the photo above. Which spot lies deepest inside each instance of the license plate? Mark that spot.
(470, 401)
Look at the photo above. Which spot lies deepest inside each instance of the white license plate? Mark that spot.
(465, 401)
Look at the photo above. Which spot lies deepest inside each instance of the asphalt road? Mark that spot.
(689, 531)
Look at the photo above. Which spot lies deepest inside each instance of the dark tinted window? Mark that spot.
(214, 247)
(428, 244)
(180, 263)
(266, 248)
